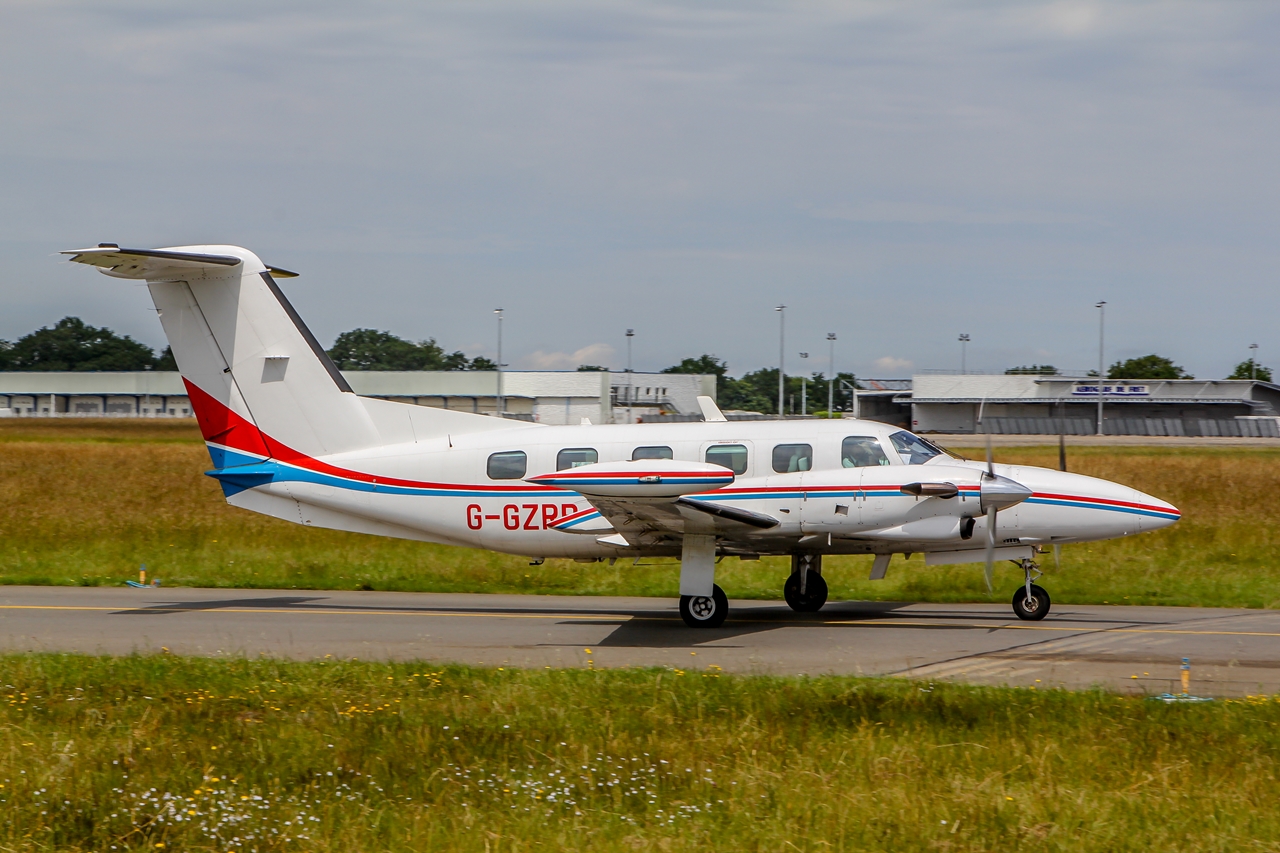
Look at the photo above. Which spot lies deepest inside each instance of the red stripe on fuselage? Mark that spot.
(1107, 502)
(220, 425)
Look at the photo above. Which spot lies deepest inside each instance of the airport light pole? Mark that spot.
(804, 388)
(782, 352)
(964, 340)
(831, 379)
(502, 400)
(1102, 325)
(631, 333)
(1253, 361)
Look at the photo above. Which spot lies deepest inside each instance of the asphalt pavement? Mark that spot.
(1133, 649)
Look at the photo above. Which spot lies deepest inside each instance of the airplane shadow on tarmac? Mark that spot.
(637, 627)
(657, 630)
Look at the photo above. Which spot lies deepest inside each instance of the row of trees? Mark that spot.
(72, 344)
(1151, 367)
(369, 349)
(757, 391)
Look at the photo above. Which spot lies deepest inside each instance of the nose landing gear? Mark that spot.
(1031, 602)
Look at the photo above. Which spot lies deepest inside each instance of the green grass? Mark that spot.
(158, 752)
(87, 502)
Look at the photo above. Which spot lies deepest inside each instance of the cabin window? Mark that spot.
(913, 449)
(731, 456)
(862, 451)
(508, 465)
(660, 452)
(575, 457)
(790, 458)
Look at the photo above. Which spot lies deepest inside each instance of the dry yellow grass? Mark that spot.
(88, 502)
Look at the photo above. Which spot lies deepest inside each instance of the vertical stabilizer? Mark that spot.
(259, 381)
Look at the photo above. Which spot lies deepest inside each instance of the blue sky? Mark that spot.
(897, 173)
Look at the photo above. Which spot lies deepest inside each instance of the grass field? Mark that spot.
(155, 753)
(87, 502)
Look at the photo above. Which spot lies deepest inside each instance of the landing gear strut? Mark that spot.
(1030, 602)
(805, 590)
(702, 603)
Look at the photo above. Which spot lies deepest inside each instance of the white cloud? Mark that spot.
(893, 363)
(591, 354)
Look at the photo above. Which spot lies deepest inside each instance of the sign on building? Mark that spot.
(1090, 389)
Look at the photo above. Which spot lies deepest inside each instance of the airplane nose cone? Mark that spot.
(1157, 513)
(1000, 492)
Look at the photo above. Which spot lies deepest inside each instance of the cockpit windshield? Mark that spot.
(913, 449)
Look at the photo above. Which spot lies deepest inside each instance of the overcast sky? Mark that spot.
(896, 173)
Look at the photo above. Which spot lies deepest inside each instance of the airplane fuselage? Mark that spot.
(441, 490)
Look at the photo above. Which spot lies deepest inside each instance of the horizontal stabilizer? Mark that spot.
(159, 264)
(240, 477)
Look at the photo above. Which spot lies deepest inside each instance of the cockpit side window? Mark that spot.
(862, 451)
(913, 449)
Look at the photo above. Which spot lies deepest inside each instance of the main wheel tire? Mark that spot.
(1031, 608)
(700, 611)
(815, 593)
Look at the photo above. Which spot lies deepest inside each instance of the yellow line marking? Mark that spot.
(883, 623)
(1086, 629)
(321, 612)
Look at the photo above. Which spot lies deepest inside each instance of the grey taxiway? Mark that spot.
(1138, 649)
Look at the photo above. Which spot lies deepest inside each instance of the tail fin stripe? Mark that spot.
(334, 374)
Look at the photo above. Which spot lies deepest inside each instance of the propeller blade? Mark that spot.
(1057, 558)
(991, 468)
(991, 549)
(1062, 452)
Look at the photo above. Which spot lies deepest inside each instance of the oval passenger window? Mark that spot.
(508, 465)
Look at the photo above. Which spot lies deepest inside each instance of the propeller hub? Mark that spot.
(1001, 492)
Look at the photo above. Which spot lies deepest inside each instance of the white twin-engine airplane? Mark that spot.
(290, 439)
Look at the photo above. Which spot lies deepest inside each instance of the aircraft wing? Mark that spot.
(654, 500)
(642, 521)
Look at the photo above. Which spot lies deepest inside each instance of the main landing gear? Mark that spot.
(702, 602)
(805, 590)
(705, 611)
(1031, 602)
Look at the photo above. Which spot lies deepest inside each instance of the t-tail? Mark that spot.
(260, 384)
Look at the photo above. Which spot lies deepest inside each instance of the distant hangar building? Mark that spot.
(1022, 404)
(549, 397)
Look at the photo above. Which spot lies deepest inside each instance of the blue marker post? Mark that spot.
(1186, 676)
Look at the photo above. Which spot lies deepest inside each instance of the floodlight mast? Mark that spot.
(831, 380)
(1102, 321)
(502, 400)
(964, 340)
(804, 389)
(1253, 361)
(631, 333)
(782, 354)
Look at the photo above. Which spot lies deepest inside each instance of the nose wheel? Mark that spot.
(1031, 602)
